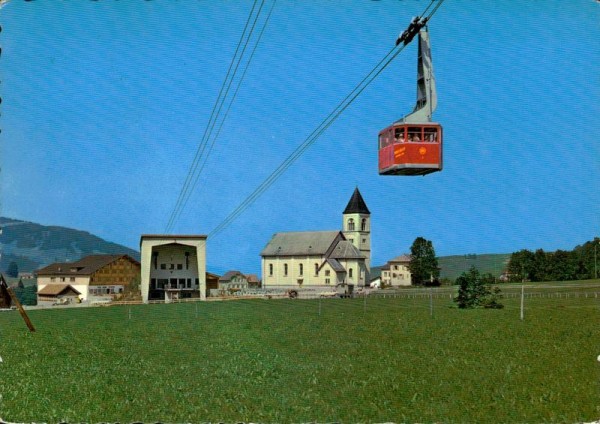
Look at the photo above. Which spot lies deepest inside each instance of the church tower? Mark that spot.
(356, 226)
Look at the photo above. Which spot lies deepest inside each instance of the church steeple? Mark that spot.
(356, 204)
(356, 226)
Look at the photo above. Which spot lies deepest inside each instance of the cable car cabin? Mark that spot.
(410, 149)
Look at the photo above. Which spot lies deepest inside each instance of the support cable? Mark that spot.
(218, 132)
(229, 78)
(326, 123)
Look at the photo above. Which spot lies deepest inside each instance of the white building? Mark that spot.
(173, 266)
(321, 258)
(396, 273)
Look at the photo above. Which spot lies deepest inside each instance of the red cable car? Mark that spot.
(413, 144)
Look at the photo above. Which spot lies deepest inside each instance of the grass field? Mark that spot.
(344, 360)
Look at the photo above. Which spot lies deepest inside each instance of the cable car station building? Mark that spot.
(173, 267)
(322, 259)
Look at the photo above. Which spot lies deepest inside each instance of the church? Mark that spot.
(322, 259)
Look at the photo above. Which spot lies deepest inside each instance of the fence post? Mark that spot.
(431, 302)
(522, 301)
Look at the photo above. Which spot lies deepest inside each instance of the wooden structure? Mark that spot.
(7, 295)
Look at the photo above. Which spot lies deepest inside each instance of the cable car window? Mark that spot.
(399, 135)
(431, 135)
(414, 134)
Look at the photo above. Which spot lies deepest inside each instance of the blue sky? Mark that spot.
(104, 104)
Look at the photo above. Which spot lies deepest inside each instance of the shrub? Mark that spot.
(475, 291)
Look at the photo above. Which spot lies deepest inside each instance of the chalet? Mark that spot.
(94, 275)
(56, 294)
(233, 280)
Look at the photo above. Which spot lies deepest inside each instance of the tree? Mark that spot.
(475, 290)
(521, 265)
(423, 264)
(13, 270)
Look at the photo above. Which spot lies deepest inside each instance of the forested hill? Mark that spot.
(33, 246)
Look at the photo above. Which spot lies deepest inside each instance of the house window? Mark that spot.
(285, 269)
(327, 273)
(52, 279)
(350, 224)
(171, 266)
(62, 279)
(327, 281)
(301, 269)
(350, 273)
(316, 270)
(189, 283)
(197, 282)
(163, 266)
(179, 266)
(72, 279)
(363, 224)
(271, 269)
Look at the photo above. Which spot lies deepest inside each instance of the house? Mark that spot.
(396, 273)
(94, 275)
(212, 282)
(173, 266)
(253, 281)
(321, 259)
(233, 280)
(56, 294)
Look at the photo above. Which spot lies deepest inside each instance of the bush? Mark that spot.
(475, 291)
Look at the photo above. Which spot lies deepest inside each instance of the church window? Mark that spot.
(285, 269)
(271, 269)
(363, 225)
(301, 269)
(350, 224)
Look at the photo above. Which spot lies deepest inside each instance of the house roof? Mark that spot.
(57, 289)
(346, 250)
(300, 243)
(356, 204)
(401, 258)
(229, 275)
(252, 278)
(84, 266)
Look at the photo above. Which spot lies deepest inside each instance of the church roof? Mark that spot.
(346, 250)
(335, 265)
(300, 243)
(356, 204)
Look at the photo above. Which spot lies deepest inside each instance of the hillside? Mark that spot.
(33, 246)
(453, 266)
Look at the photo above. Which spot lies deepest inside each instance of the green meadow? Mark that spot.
(334, 360)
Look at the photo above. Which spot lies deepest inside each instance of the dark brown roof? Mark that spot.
(252, 278)
(229, 275)
(57, 289)
(356, 204)
(84, 266)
